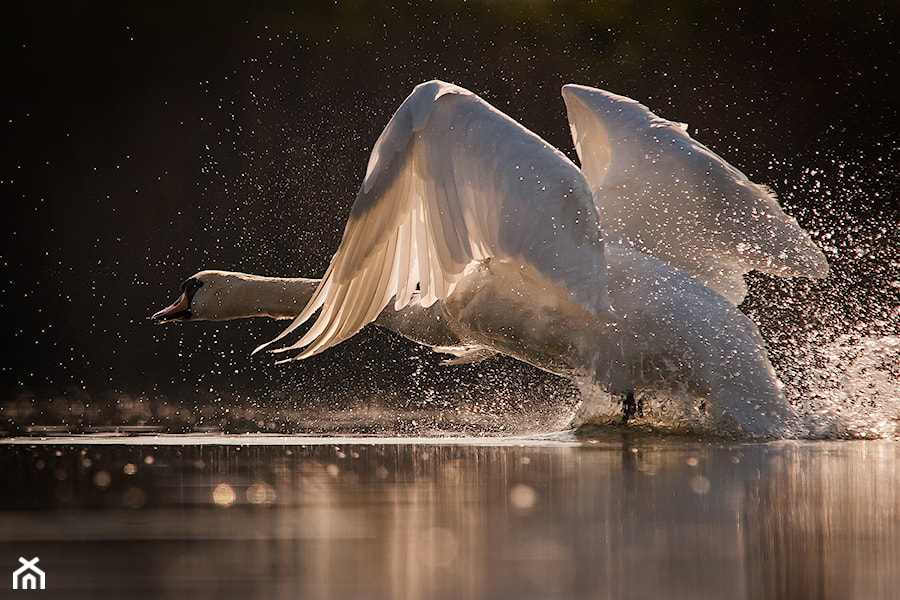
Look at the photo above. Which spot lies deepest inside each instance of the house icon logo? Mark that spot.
(28, 576)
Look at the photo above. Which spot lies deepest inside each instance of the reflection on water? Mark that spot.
(235, 517)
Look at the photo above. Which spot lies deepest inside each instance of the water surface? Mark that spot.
(622, 515)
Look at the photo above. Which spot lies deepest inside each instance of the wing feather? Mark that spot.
(451, 182)
(658, 189)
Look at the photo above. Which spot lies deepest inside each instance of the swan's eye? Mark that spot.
(190, 287)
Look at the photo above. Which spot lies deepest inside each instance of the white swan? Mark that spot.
(500, 228)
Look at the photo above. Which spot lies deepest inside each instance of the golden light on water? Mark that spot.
(699, 484)
(787, 519)
(260, 493)
(522, 497)
(439, 547)
(102, 479)
(223, 495)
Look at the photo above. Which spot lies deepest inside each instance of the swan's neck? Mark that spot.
(241, 295)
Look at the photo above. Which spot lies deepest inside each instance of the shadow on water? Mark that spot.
(637, 517)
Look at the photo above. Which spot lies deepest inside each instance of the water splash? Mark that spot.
(846, 389)
(849, 387)
(834, 343)
(675, 412)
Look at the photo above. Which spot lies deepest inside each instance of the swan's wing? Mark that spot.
(452, 181)
(670, 196)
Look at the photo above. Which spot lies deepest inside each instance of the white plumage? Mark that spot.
(451, 182)
(666, 194)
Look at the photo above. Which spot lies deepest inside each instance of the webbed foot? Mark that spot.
(631, 407)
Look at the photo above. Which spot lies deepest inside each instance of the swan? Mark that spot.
(488, 240)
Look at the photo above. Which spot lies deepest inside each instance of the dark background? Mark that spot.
(142, 142)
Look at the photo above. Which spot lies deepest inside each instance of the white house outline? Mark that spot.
(30, 571)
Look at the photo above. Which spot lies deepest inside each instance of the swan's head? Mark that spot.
(226, 295)
(183, 308)
(204, 297)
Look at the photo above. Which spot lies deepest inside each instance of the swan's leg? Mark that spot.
(631, 407)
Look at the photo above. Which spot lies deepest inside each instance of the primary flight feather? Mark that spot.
(452, 182)
(661, 191)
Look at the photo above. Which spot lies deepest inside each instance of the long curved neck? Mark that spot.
(243, 295)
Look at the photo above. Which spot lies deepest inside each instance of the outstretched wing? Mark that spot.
(452, 181)
(670, 196)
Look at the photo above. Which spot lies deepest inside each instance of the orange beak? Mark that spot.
(180, 310)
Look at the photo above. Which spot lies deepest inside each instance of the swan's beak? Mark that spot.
(180, 310)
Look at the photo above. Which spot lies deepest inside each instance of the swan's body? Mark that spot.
(487, 240)
(673, 333)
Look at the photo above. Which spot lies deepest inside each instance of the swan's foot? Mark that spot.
(631, 407)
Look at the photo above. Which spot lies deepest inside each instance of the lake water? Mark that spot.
(615, 514)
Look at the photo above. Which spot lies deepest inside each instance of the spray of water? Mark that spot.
(834, 343)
